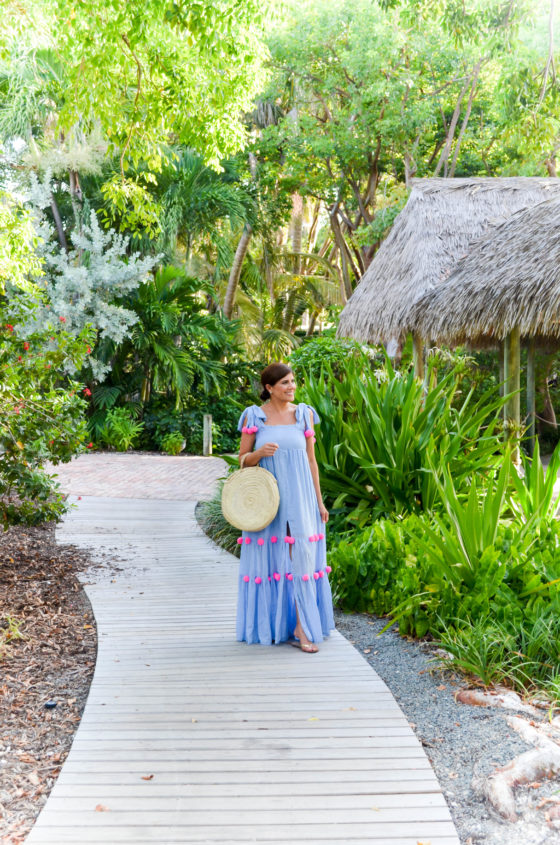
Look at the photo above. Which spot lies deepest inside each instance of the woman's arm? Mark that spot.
(252, 458)
(315, 476)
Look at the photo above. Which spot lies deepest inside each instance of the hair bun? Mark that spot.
(265, 395)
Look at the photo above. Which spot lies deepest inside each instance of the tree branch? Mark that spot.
(136, 99)
(465, 119)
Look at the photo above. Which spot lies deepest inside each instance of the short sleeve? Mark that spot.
(246, 418)
(250, 418)
(305, 413)
(314, 414)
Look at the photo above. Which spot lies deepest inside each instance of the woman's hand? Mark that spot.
(267, 450)
(324, 513)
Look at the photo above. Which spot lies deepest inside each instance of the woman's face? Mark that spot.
(284, 389)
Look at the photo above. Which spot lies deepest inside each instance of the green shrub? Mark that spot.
(309, 359)
(173, 443)
(41, 412)
(120, 431)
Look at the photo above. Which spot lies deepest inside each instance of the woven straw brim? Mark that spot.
(250, 499)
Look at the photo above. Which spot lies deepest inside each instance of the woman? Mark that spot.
(284, 591)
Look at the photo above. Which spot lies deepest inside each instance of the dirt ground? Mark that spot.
(47, 657)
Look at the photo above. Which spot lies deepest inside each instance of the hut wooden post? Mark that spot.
(512, 363)
(418, 356)
(501, 360)
(531, 411)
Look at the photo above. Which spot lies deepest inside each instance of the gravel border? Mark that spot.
(463, 743)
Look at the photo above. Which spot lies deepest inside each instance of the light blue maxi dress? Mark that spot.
(275, 574)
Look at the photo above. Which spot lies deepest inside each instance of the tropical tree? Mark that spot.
(382, 92)
(172, 343)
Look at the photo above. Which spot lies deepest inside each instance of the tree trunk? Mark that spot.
(444, 157)
(235, 273)
(312, 324)
(339, 239)
(296, 230)
(58, 223)
(76, 198)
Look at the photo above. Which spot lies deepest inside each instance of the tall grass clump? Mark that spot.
(383, 439)
(214, 524)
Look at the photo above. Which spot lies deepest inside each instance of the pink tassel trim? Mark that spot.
(309, 432)
(290, 540)
(249, 429)
(260, 542)
(240, 541)
(289, 576)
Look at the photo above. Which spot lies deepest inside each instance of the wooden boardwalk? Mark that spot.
(189, 736)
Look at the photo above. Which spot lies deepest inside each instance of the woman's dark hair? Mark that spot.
(272, 374)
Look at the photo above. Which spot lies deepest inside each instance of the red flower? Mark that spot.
(9, 327)
(19, 358)
(51, 442)
(89, 350)
(26, 346)
(87, 391)
(62, 319)
(90, 445)
(47, 367)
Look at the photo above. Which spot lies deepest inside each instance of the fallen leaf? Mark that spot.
(442, 687)
(101, 808)
(367, 650)
(34, 778)
(147, 777)
(313, 719)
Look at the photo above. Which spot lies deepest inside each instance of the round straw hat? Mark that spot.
(250, 499)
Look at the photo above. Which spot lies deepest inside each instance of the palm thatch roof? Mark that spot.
(435, 229)
(511, 277)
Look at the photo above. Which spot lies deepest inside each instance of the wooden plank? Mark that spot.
(384, 789)
(255, 800)
(106, 831)
(241, 743)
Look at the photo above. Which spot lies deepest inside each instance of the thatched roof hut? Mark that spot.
(435, 229)
(510, 278)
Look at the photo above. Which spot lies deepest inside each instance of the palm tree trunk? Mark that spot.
(297, 229)
(235, 273)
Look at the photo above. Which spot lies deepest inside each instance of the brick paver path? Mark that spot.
(137, 476)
